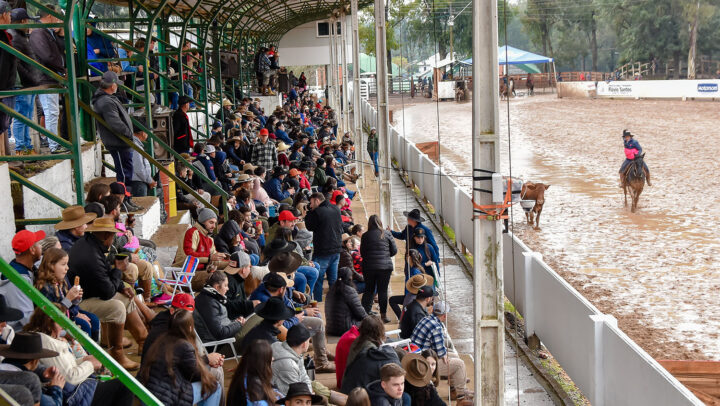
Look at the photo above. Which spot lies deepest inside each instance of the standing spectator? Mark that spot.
(429, 334)
(73, 225)
(27, 249)
(109, 107)
(251, 384)
(388, 391)
(182, 132)
(29, 77)
(325, 221)
(264, 153)
(372, 149)
(8, 71)
(45, 45)
(414, 220)
(142, 179)
(376, 248)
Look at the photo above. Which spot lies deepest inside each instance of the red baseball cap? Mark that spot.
(264, 131)
(183, 301)
(24, 240)
(286, 215)
(335, 194)
(294, 172)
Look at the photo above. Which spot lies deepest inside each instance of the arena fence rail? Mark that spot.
(607, 366)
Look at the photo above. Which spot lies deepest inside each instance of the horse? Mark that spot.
(534, 191)
(634, 180)
(507, 90)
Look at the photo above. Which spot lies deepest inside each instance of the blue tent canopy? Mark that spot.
(516, 57)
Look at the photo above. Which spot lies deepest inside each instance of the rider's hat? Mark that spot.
(626, 133)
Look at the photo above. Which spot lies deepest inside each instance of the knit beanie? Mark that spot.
(206, 214)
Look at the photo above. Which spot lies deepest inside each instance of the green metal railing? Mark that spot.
(88, 344)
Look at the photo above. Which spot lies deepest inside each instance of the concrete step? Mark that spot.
(168, 238)
(182, 217)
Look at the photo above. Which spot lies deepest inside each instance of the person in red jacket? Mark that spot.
(197, 241)
(342, 350)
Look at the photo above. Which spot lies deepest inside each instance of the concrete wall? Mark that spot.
(57, 180)
(302, 46)
(7, 217)
(91, 162)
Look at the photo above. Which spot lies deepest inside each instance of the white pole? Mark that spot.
(489, 343)
(343, 52)
(383, 125)
(357, 109)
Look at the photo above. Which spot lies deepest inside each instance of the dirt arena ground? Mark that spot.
(658, 270)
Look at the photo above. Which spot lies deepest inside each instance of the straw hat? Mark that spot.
(248, 167)
(249, 114)
(74, 216)
(244, 177)
(282, 146)
(226, 102)
(103, 224)
(417, 282)
(417, 370)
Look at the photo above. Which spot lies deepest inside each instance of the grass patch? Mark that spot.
(449, 232)
(430, 208)
(416, 190)
(558, 374)
(469, 258)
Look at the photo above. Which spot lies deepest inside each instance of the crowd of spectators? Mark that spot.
(263, 255)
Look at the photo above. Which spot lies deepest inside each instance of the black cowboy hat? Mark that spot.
(8, 313)
(299, 389)
(627, 133)
(414, 214)
(26, 346)
(277, 246)
(287, 262)
(184, 100)
(274, 309)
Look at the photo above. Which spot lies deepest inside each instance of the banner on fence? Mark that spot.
(661, 89)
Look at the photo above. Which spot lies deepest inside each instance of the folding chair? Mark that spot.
(212, 346)
(182, 276)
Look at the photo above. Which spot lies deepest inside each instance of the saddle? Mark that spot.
(635, 168)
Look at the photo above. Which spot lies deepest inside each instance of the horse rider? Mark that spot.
(632, 150)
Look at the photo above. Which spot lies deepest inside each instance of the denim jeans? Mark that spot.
(300, 282)
(122, 159)
(92, 329)
(311, 276)
(254, 259)
(51, 109)
(188, 90)
(212, 400)
(174, 98)
(24, 104)
(328, 264)
(139, 188)
(374, 157)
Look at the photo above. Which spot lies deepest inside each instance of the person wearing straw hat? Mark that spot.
(104, 293)
(28, 250)
(24, 355)
(430, 334)
(418, 381)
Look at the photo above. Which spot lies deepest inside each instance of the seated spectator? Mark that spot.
(104, 293)
(237, 272)
(7, 314)
(23, 356)
(73, 225)
(228, 239)
(389, 389)
(173, 370)
(252, 382)
(358, 397)
(274, 186)
(53, 283)
(50, 242)
(350, 258)
(198, 243)
(342, 307)
(27, 249)
(97, 192)
(142, 179)
(277, 284)
(273, 313)
(320, 178)
(419, 385)
(416, 310)
(288, 363)
(299, 394)
(429, 334)
(211, 317)
(258, 191)
(367, 355)
(80, 384)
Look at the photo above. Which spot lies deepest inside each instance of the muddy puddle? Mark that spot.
(657, 270)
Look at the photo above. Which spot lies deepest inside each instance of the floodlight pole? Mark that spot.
(488, 317)
(383, 126)
(333, 67)
(357, 110)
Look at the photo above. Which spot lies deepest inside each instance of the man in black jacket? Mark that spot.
(8, 71)
(46, 47)
(182, 135)
(325, 221)
(104, 293)
(108, 106)
(415, 311)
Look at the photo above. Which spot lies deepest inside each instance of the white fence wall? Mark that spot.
(608, 367)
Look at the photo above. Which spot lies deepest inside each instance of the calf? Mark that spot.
(534, 191)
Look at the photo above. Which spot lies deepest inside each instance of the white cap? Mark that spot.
(441, 308)
(209, 149)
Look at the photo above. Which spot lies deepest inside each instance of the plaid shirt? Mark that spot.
(428, 334)
(264, 155)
